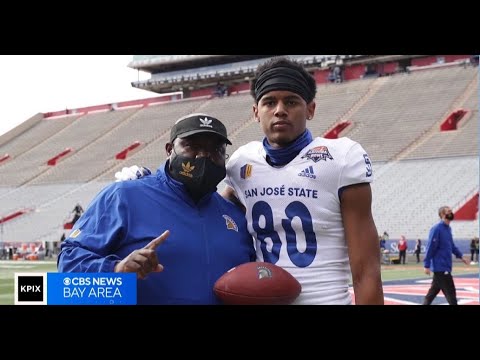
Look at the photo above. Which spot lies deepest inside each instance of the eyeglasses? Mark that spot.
(192, 150)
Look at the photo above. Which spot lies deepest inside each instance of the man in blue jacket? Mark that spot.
(438, 258)
(202, 235)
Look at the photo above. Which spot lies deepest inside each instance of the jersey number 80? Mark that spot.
(294, 209)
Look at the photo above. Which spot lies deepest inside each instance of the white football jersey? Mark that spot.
(294, 211)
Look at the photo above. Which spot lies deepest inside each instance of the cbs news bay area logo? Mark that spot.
(108, 287)
(75, 289)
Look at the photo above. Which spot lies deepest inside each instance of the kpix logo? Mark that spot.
(30, 289)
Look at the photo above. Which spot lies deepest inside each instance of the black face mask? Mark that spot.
(200, 175)
(449, 216)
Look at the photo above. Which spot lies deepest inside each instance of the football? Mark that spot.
(257, 283)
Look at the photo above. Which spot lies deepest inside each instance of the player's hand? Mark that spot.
(132, 173)
(427, 271)
(465, 261)
(143, 261)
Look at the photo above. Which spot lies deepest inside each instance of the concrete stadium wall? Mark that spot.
(16, 131)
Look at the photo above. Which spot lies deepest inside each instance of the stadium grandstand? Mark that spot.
(416, 115)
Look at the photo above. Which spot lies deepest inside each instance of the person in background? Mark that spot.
(202, 234)
(220, 90)
(402, 250)
(382, 243)
(77, 212)
(418, 249)
(384, 253)
(438, 258)
(385, 236)
(474, 251)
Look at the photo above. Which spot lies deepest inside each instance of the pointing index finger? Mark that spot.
(152, 245)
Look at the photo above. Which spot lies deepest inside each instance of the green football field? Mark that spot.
(389, 272)
(7, 275)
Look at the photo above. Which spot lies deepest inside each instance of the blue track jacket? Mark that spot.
(206, 239)
(440, 247)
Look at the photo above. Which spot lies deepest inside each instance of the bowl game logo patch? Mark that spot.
(318, 153)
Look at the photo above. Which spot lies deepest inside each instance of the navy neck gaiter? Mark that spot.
(282, 156)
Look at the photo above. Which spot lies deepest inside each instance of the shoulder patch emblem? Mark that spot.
(246, 171)
(75, 233)
(318, 153)
(231, 225)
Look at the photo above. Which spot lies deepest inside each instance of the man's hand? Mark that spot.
(143, 261)
(132, 173)
(465, 261)
(427, 271)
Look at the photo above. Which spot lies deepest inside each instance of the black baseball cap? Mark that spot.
(198, 123)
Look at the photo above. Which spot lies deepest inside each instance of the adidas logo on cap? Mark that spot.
(198, 123)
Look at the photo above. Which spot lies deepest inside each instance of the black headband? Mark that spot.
(283, 78)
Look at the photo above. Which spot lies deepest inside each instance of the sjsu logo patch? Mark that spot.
(231, 225)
